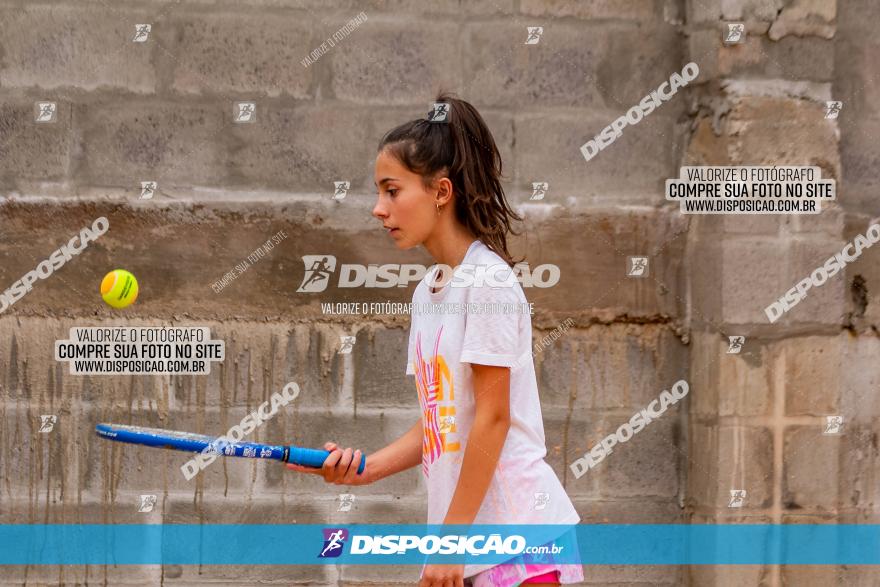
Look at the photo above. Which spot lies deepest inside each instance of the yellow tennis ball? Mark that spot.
(119, 288)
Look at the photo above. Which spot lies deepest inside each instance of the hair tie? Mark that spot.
(439, 112)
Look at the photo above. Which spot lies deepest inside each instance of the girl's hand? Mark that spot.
(442, 576)
(340, 468)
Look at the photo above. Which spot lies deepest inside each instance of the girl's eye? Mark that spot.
(392, 192)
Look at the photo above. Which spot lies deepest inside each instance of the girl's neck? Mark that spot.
(450, 249)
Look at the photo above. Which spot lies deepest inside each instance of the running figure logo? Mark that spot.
(735, 32)
(637, 267)
(439, 112)
(539, 190)
(245, 112)
(47, 422)
(736, 344)
(334, 540)
(45, 111)
(832, 108)
(148, 188)
(318, 270)
(142, 32)
(535, 33)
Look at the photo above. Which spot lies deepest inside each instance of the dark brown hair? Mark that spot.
(463, 149)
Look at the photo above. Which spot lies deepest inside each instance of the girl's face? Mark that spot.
(407, 211)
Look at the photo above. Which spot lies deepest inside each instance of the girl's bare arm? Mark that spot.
(341, 466)
(402, 454)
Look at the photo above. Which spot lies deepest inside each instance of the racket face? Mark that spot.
(187, 441)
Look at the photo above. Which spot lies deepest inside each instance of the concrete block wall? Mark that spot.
(162, 111)
(758, 424)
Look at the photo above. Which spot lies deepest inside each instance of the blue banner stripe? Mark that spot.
(301, 544)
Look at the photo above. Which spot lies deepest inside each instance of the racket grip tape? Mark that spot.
(315, 457)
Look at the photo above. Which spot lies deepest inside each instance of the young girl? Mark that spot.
(480, 439)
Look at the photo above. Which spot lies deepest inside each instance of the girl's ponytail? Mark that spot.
(462, 148)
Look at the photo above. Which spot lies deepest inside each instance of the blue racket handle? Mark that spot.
(315, 457)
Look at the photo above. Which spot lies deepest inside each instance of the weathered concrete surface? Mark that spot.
(162, 111)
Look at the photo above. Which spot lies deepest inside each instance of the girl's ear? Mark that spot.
(444, 191)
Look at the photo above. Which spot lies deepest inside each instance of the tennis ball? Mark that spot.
(119, 288)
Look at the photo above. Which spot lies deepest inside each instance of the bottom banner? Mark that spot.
(381, 544)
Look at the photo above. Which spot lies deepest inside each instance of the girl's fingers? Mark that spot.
(329, 468)
(343, 464)
(352, 475)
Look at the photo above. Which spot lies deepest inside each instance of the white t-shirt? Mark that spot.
(524, 489)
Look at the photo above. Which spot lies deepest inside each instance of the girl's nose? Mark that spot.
(379, 210)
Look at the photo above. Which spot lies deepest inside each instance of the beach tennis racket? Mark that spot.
(190, 442)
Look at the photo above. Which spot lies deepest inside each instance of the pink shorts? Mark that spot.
(518, 572)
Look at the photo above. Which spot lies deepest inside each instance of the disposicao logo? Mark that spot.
(334, 541)
(319, 269)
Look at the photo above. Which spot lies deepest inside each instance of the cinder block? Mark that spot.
(809, 138)
(648, 463)
(261, 361)
(603, 288)
(791, 58)
(374, 65)
(825, 304)
(301, 147)
(862, 277)
(804, 18)
(860, 156)
(739, 294)
(812, 473)
(729, 384)
(854, 80)
(567, 438)
(88, 47)
(41, 464)
(859, 466)
(555, 71)
(548, 149)
(609, 367)
(563, 72)
(238, 56)
(813, 367)
(859, 379)
(380, 356)
(127, 142)
(728, 458)
(27, 338)
(30, 150)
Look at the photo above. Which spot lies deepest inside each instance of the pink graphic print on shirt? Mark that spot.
(430, 387)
